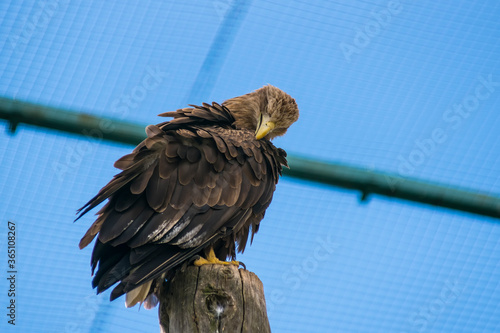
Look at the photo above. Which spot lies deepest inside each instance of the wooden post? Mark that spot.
(213, 298)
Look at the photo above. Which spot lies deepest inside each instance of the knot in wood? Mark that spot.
(219, 303)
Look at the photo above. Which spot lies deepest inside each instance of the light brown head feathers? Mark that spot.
(268, 111)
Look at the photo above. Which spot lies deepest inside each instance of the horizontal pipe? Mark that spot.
(17, 112)
(374, 182)
(366, 181)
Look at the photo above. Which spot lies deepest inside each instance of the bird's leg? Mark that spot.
(213, 260)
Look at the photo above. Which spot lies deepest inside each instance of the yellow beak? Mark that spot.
(264, 127)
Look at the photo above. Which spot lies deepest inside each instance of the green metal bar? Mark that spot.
(374, 182)
(17, 112)
(366, 181)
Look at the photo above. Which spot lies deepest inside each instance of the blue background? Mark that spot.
(373, 80)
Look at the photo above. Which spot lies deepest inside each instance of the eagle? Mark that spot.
(193, 191)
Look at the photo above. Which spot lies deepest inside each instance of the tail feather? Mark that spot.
(138, 295)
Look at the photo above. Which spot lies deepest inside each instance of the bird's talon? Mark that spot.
(213, 260)
(201, 261)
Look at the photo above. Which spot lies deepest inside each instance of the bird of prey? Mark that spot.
(196, 187)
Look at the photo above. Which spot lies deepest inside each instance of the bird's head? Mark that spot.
(267, 111)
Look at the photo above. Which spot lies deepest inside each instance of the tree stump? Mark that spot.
(213, 298)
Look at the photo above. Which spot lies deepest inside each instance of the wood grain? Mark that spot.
(213, 298)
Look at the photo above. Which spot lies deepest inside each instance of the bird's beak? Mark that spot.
(264, 126)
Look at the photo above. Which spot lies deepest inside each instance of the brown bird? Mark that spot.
(196, 186)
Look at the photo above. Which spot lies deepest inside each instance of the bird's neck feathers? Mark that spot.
(246, 109)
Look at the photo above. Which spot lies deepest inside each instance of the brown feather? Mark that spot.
(139, 184)
(153, 130)
(204, 177)
(124, 162)
(233, 151)
(118, 221)
(169, 190)
(155, 191)
(219, 163)
(135, 226)
(171, 150)
(166, 166)
(94, 229)
(124, 200)
(221, 145)
(193, 155)
(186, 171)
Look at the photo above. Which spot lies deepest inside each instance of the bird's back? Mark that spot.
(195, 181)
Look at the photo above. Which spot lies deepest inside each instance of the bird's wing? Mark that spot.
(189, 183)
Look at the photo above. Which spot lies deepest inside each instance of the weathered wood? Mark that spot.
(213, 298)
